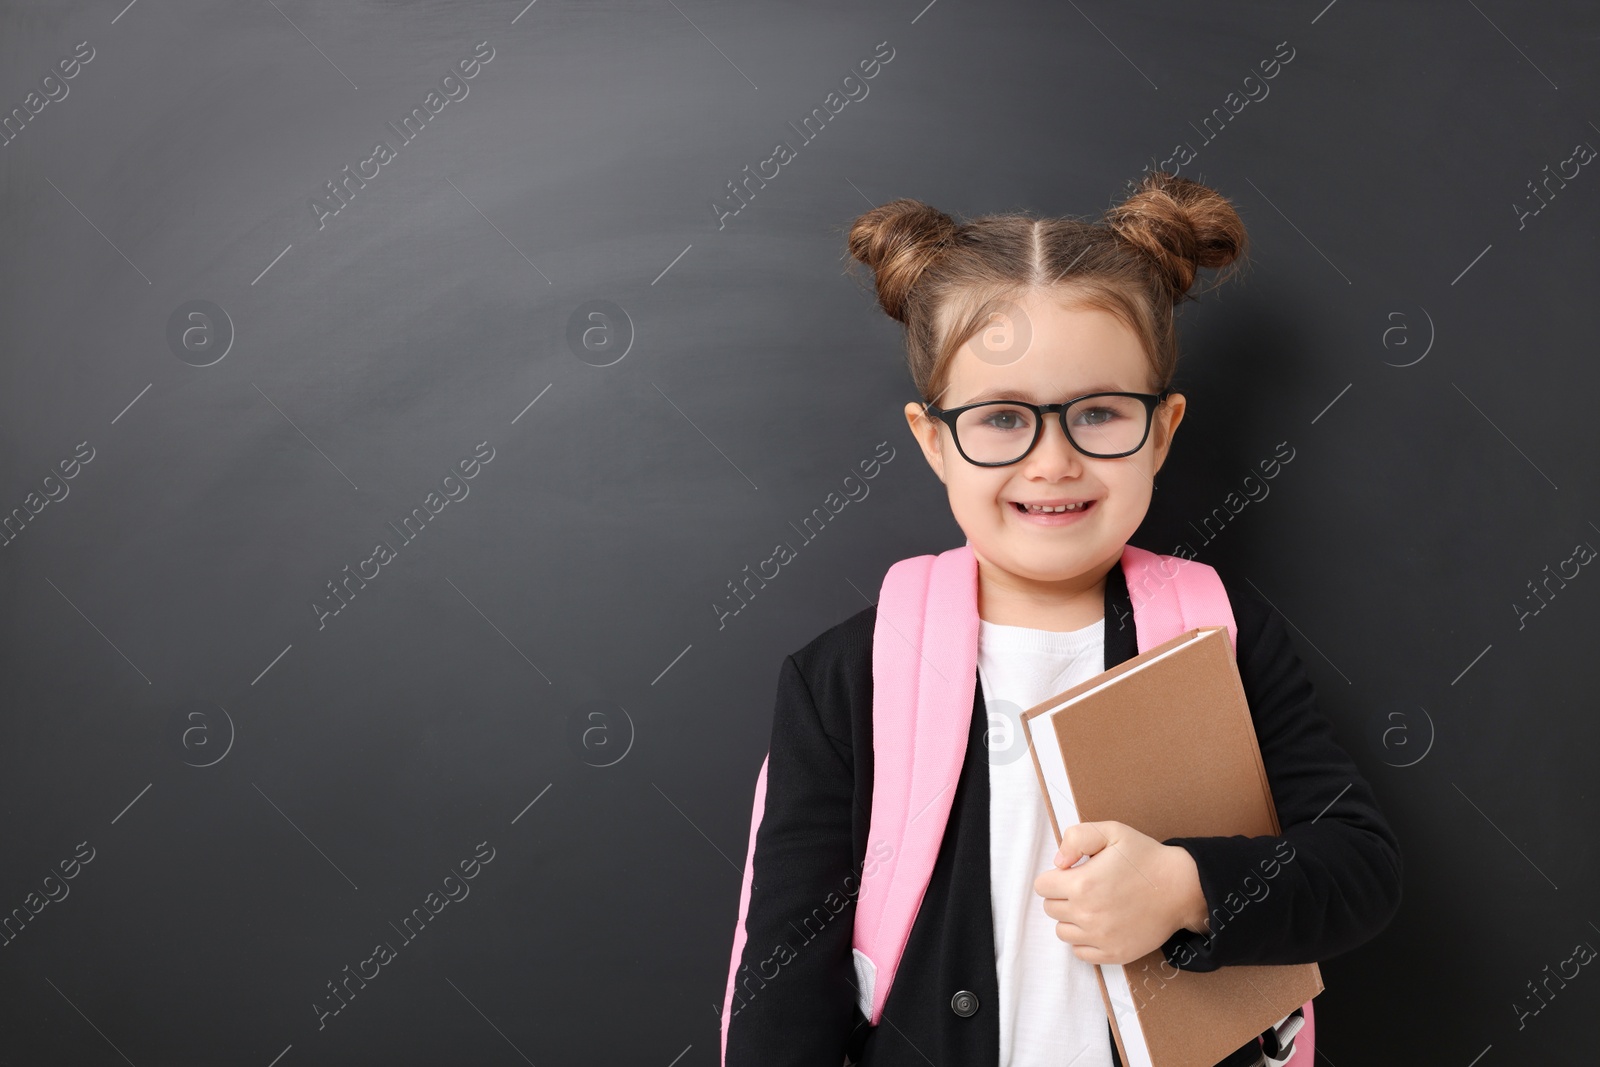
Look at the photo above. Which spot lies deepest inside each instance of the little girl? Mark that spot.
(1005, 312)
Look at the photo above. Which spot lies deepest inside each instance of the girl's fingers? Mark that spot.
(1058, 908)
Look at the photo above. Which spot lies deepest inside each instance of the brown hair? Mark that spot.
(942, 279)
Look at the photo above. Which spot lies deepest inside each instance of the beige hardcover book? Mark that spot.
(1164, 742)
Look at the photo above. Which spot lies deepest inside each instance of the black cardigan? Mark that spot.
(794, 1002)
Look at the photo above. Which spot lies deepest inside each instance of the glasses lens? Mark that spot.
(995, 433)
(1107, 425)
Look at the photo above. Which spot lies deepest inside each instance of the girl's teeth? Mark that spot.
(1038, 510)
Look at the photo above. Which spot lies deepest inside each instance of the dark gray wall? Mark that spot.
(539, 675)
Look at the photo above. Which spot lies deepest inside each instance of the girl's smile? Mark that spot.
(1058, 512)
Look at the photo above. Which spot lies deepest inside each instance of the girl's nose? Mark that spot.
(1053, 455)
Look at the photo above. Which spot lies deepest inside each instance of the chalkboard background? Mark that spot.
(539, 330)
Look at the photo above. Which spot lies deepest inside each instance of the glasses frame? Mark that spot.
(949, 415)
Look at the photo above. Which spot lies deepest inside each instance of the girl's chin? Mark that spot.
(1049, 555)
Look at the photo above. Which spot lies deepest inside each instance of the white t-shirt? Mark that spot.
(1051, 1013)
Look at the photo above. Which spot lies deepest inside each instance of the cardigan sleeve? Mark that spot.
(793, 999)
(1332, 879)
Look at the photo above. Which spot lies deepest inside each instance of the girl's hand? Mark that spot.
(1129, 895)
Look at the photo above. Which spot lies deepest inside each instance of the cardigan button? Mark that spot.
(964, 1003)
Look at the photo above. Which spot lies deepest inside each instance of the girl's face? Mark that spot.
(1069, 351)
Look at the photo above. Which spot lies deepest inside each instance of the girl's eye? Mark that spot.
(1005, 420)
(1096, 416)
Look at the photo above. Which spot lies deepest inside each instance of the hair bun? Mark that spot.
(1181, 225)
(898, 240)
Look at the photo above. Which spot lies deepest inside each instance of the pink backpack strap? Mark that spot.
(924, 679)
(744, 905)
(1171, 594)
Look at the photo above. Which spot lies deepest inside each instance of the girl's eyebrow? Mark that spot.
(1024, 394)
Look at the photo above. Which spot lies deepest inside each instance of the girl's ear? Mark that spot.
(925, 429)
(1168, 415)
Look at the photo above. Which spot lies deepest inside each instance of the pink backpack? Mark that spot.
(924, 673)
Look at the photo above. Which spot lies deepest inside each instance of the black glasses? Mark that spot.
(995, 433)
